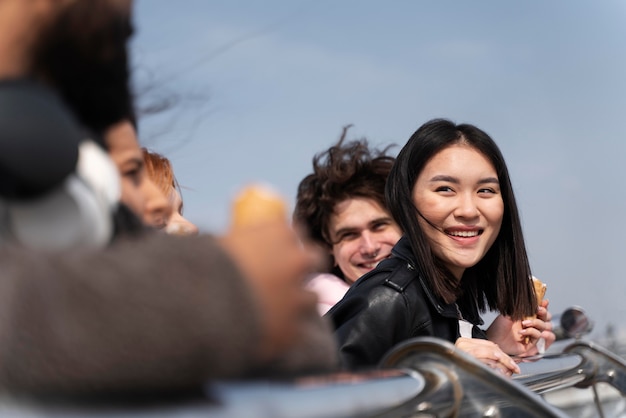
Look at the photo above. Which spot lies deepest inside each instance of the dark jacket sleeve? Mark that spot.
(383, 308)
(366, 328)
(152, 314)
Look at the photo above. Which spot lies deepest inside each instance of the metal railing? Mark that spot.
(422, 377)
(429, 377)
(472, 389)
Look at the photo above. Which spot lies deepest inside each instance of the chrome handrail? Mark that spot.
(422, 377)
(472, 389)
(340, 395)
(600, 365)
(543, 374)
(581, 364)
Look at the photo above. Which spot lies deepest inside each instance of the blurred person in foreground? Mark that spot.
(91, 321)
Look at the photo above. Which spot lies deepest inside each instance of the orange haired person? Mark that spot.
(160, 171)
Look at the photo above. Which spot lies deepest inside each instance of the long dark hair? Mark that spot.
(501, 280)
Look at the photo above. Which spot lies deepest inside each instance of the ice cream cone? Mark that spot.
(257, 204)
(540, 292)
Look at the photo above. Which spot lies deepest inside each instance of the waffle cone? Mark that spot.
(540, 292)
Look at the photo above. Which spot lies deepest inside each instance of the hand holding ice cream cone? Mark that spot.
(266, 249)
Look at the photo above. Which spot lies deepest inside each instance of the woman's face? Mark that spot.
(458, 192)
(362, 233)
(139, 193)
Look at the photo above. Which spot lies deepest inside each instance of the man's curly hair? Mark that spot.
(343, 171)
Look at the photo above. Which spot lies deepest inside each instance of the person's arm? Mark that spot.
(155, 313)
(368, 324)
(160, 313)
(297, 339)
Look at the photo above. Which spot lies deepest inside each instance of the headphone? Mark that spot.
(58, 188)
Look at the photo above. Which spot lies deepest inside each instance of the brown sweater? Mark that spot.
(160, 313)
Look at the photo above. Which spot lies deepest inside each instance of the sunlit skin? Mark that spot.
(458, 192)
(363, 234)
(139, 193)
(177, 224)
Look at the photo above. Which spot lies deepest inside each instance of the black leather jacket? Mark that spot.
(393, 303)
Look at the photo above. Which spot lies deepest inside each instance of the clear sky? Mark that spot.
(253, 89)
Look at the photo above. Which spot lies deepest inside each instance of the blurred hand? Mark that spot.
(511, 335)
(489, 353)
(271, 258)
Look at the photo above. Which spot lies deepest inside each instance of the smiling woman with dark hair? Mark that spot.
(462, 252)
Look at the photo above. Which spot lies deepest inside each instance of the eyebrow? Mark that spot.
(134, 162)
(450, 179)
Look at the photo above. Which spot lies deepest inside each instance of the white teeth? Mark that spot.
(371, 266)
(464, 233)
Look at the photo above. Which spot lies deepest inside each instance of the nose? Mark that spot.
(158, 208)
(369, 245)
(467, 207)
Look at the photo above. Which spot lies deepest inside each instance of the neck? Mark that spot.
(457, 273)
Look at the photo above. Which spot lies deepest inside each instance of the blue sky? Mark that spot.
(253, 90)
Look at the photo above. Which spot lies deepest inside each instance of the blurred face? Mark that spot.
(177, 224)
(458, 192)
(139, 193)
(363, 234)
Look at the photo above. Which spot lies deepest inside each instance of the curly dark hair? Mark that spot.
(343, 171)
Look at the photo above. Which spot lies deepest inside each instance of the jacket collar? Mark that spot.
(402, 250)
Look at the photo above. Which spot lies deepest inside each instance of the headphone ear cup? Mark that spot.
(100, 173)
(79, 213)
(59, 191)
(67, 217)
